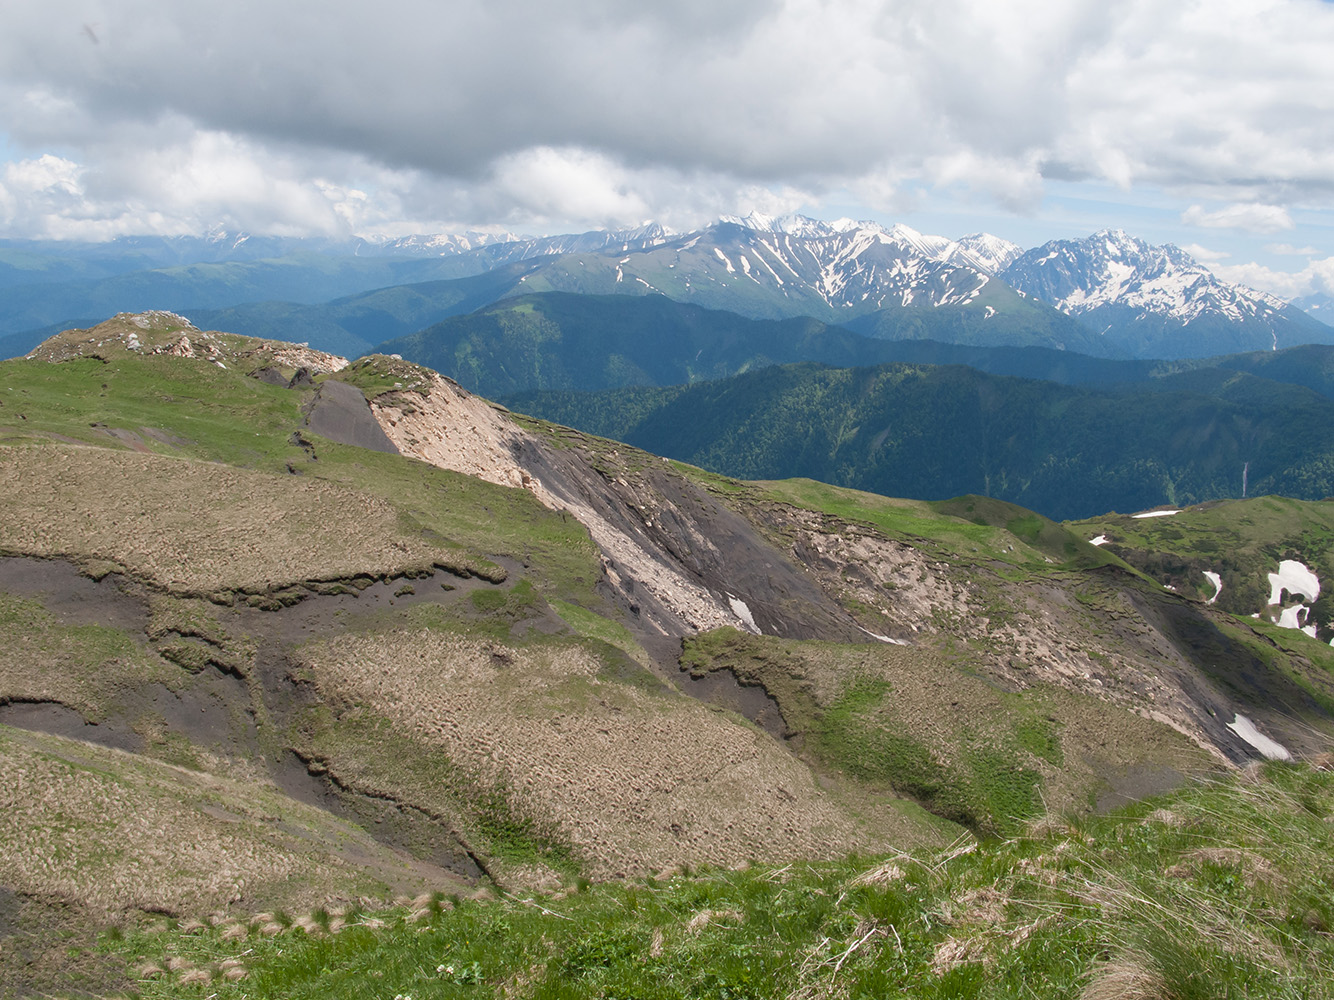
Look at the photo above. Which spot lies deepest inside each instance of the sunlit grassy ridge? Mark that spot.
(188, 408)
(1219, 890)
(1241, 540)
(970, 527)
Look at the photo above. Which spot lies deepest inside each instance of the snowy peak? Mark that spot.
(986, 253)
(1112, 268)
(436, 244)
(1158, 300)
(981, 251)
(851, 267)
(793, 225)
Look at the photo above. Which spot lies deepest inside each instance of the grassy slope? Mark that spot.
(931, 728)
(1241, 540)
(219, 416)
(424, 513)
(86, 824)
(225, 436)
(1221, 889)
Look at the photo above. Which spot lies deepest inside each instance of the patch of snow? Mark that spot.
(886, 638)
(1291, 617)
(1295, 578)
(1100, 540)
(1270, 749)
(1217, 581)
(991, 311)
(742, 611)
(1155, 513)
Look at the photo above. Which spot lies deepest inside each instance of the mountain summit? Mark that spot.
(1156, 301)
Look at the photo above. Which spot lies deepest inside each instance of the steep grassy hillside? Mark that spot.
(289, 638)
(1225, 553)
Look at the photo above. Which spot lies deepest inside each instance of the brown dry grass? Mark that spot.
(195, 527)
(109, 832)
(1128, 977)
(634, 781)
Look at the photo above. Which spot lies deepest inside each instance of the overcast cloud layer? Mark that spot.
(337, 116)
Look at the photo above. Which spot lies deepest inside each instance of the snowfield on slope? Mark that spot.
(1297, 580)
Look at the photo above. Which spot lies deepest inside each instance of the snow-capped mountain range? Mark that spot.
(1127, 298)
(1109, 294)
(1159, 301)
(981, 251)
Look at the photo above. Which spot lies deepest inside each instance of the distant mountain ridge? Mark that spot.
(1157, 301)
(1109, 295)
(934, 431)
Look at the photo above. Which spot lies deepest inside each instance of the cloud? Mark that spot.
(1288, 250)
(1204, 253)
(207, 179)
(1316, 277)
(1250, 218)
(599, 111)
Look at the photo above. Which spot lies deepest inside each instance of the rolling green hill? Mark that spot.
(587, 342)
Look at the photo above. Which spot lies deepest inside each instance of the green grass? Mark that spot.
(1222, 889)
(482, 518)
(220, 416)
(986, 787)
(926, 726)
(1241, 540)
(592, 625)
(224, 416)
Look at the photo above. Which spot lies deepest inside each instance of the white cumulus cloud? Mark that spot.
(1250, 218)
(1204, 254)
(1316, 277)
(598, 112)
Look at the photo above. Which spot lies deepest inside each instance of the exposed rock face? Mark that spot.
(339, 412)
(683, 559)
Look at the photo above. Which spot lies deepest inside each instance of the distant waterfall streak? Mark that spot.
(1245, 469)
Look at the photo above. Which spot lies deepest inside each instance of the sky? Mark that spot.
(1204, 123)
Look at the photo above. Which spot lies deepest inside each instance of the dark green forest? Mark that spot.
(932, 432)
